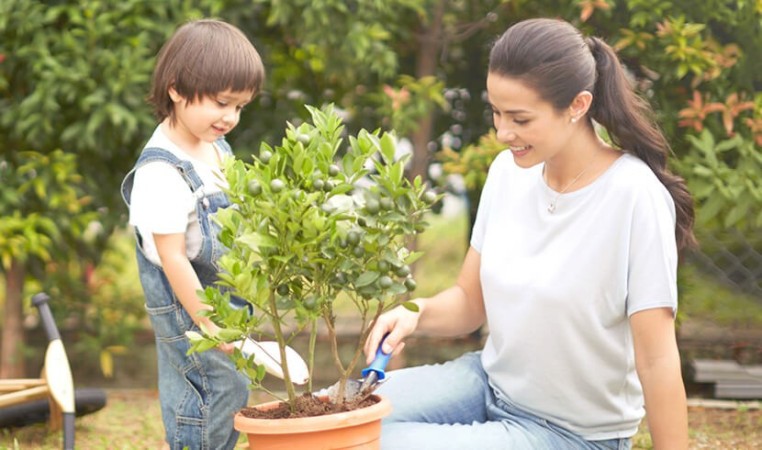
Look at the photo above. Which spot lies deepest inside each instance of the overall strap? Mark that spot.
(153, 154)
(223, 145)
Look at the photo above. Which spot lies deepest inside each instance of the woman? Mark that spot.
(572, 266)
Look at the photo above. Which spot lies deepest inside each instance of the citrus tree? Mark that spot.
(315, 219)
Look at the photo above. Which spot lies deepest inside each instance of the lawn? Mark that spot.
(131, 420)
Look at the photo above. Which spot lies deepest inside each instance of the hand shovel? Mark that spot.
(357, 390)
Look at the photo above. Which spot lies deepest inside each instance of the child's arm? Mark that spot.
(181, 276)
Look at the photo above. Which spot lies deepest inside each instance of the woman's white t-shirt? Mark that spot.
(162, 202)
(559, 289)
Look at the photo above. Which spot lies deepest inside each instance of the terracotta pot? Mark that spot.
(358, 429)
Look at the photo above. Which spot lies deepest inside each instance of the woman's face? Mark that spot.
(532, 128)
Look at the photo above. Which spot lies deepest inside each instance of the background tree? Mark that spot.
(73, 76)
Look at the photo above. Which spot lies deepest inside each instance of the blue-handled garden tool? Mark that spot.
(371, 377)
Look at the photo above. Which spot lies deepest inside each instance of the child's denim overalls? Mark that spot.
(201, 392)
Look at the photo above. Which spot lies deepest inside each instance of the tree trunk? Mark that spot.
(426, 65)
(12, 360)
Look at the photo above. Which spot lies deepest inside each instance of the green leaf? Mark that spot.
(366, 279)
(388, 148)
(411, 306)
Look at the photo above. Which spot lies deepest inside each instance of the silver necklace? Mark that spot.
(552, 205)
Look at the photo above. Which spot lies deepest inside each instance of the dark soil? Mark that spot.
(307, 405)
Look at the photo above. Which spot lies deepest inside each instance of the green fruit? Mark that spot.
(265, 156)
(385, 282)
(254, 187)
(311, 302)
(277, 185)
(386, 203)
(372, 206)
(358, 251)
(283, 289)
(341, 278)
(410, 284)
(353, 237)
(328, 186)
(429, 197)
(383, 266)
(403, 271)
(333, 170)
(318, 184)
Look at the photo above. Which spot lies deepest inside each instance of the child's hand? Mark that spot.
(212, 329)
(226, 347)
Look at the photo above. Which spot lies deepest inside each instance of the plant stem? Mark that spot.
(282, 347)
(311, 352)
(343, 374)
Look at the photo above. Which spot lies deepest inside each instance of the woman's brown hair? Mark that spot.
(203, 58)
(552, 57)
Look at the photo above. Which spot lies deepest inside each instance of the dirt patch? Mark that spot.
(307, 405)
(716, 428)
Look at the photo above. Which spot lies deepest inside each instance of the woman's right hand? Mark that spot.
(399, 323)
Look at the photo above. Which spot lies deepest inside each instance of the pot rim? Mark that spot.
(343, 419)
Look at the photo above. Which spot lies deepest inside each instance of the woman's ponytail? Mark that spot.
(628, 119)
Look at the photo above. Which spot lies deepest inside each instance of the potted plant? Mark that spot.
(313, 221)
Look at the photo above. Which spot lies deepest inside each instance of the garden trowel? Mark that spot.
(371, 376)
(267, 353)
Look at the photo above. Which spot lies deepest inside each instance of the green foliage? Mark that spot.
(473, 161)
(312, 222)
(43, 207)
(412, 101)
(74, 75)
(724, 177)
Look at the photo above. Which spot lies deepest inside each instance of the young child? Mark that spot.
(204, 76)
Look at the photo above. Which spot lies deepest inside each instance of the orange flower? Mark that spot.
(398, 97)
(696, 112)
(589, 6)
(732, 108)
(755, 125)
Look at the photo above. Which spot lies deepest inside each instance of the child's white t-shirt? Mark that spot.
(162, 202)
(559, 289)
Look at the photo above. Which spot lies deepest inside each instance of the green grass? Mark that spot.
(702, 297)
(444, 245)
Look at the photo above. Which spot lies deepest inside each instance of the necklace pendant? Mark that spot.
(552, 207)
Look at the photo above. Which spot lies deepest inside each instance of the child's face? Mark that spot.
(210, 117)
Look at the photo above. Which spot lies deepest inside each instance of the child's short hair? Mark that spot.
(204, 57)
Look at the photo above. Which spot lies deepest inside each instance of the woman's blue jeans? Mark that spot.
(452, 406)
